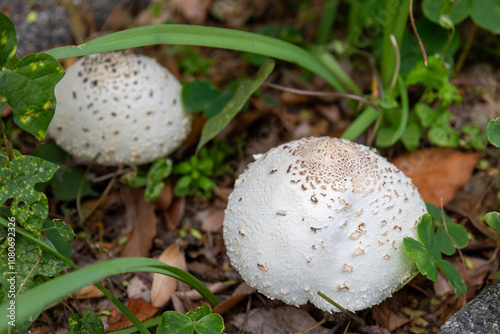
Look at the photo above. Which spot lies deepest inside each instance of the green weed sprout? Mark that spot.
(438, 236)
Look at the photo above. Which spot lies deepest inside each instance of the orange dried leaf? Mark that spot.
(438, 172)
(142, 310)
(163, 286)
(89, 291)
(142, 215)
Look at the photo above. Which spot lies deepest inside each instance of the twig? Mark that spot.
(111, 175)
(412, 19)
(323, 94)
(103, 196)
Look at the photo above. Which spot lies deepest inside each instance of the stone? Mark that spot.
(481, 315)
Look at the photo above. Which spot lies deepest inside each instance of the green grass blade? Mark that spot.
(404, 112)
(326, 22)
(361, 123)
(245, 89)
(179, 34)
(58, 288)
(332, 64)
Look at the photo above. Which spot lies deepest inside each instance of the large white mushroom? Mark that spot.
(322, 214)
(126, 107)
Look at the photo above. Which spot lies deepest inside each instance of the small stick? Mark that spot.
(346, 312)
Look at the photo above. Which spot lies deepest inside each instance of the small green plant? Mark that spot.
(189, 60)
(202, 321)
(198, 171)
(438, 236)
(152, 179)
(424, 118)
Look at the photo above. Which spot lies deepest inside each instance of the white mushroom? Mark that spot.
(126, 107)
(322, 214)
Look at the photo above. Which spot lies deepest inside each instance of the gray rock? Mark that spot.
(481, 315)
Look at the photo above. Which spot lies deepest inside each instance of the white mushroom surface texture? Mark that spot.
(323, 214)
(125, 107)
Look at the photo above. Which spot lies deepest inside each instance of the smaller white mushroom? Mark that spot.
(322, 214)
(126, 107)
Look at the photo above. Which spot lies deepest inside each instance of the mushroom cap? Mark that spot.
(322, 214)
(126, 107)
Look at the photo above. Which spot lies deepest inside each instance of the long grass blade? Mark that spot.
(179, 34)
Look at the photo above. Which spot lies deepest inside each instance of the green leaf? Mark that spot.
(59, 234)
(427, 236)
(29, 90)
(175, 323)
(457, 11)
(423, 258)
(210, 324)
(246, 88)
(411, 136)
(493, 132)
(426, 114)
(160, 169)
(199, 94)
(435, 39)
(457, 233)
(8, 40)
(442, 134)
(51, 152)
(66, 184)
(486, 13)
(183, 167)
(17, 181)
(89, 323)
(153, 190)
(456, 281)
(493, 220)
(201, 321)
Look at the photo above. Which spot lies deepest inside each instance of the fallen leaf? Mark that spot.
(387, 317)
(195, 295)
(239, 294)
(176, 212)
(438, 172)
(142, 215)
(194, 11)
(136, 288)
(213, 223)
(89, 291)
(142, 310)
(164, 201)
(285, 319)
(163, 286)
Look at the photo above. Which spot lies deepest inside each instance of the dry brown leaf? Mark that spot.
(164, 201)
(195, 295)
(163, 286)
(194, 11)
(176, 212)
(388, 318)
(136, 288)
(438, 172)
(142, 310)
(240, 293)
(213, 223)
(286, 319)
(142, 215)
(89, 291)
